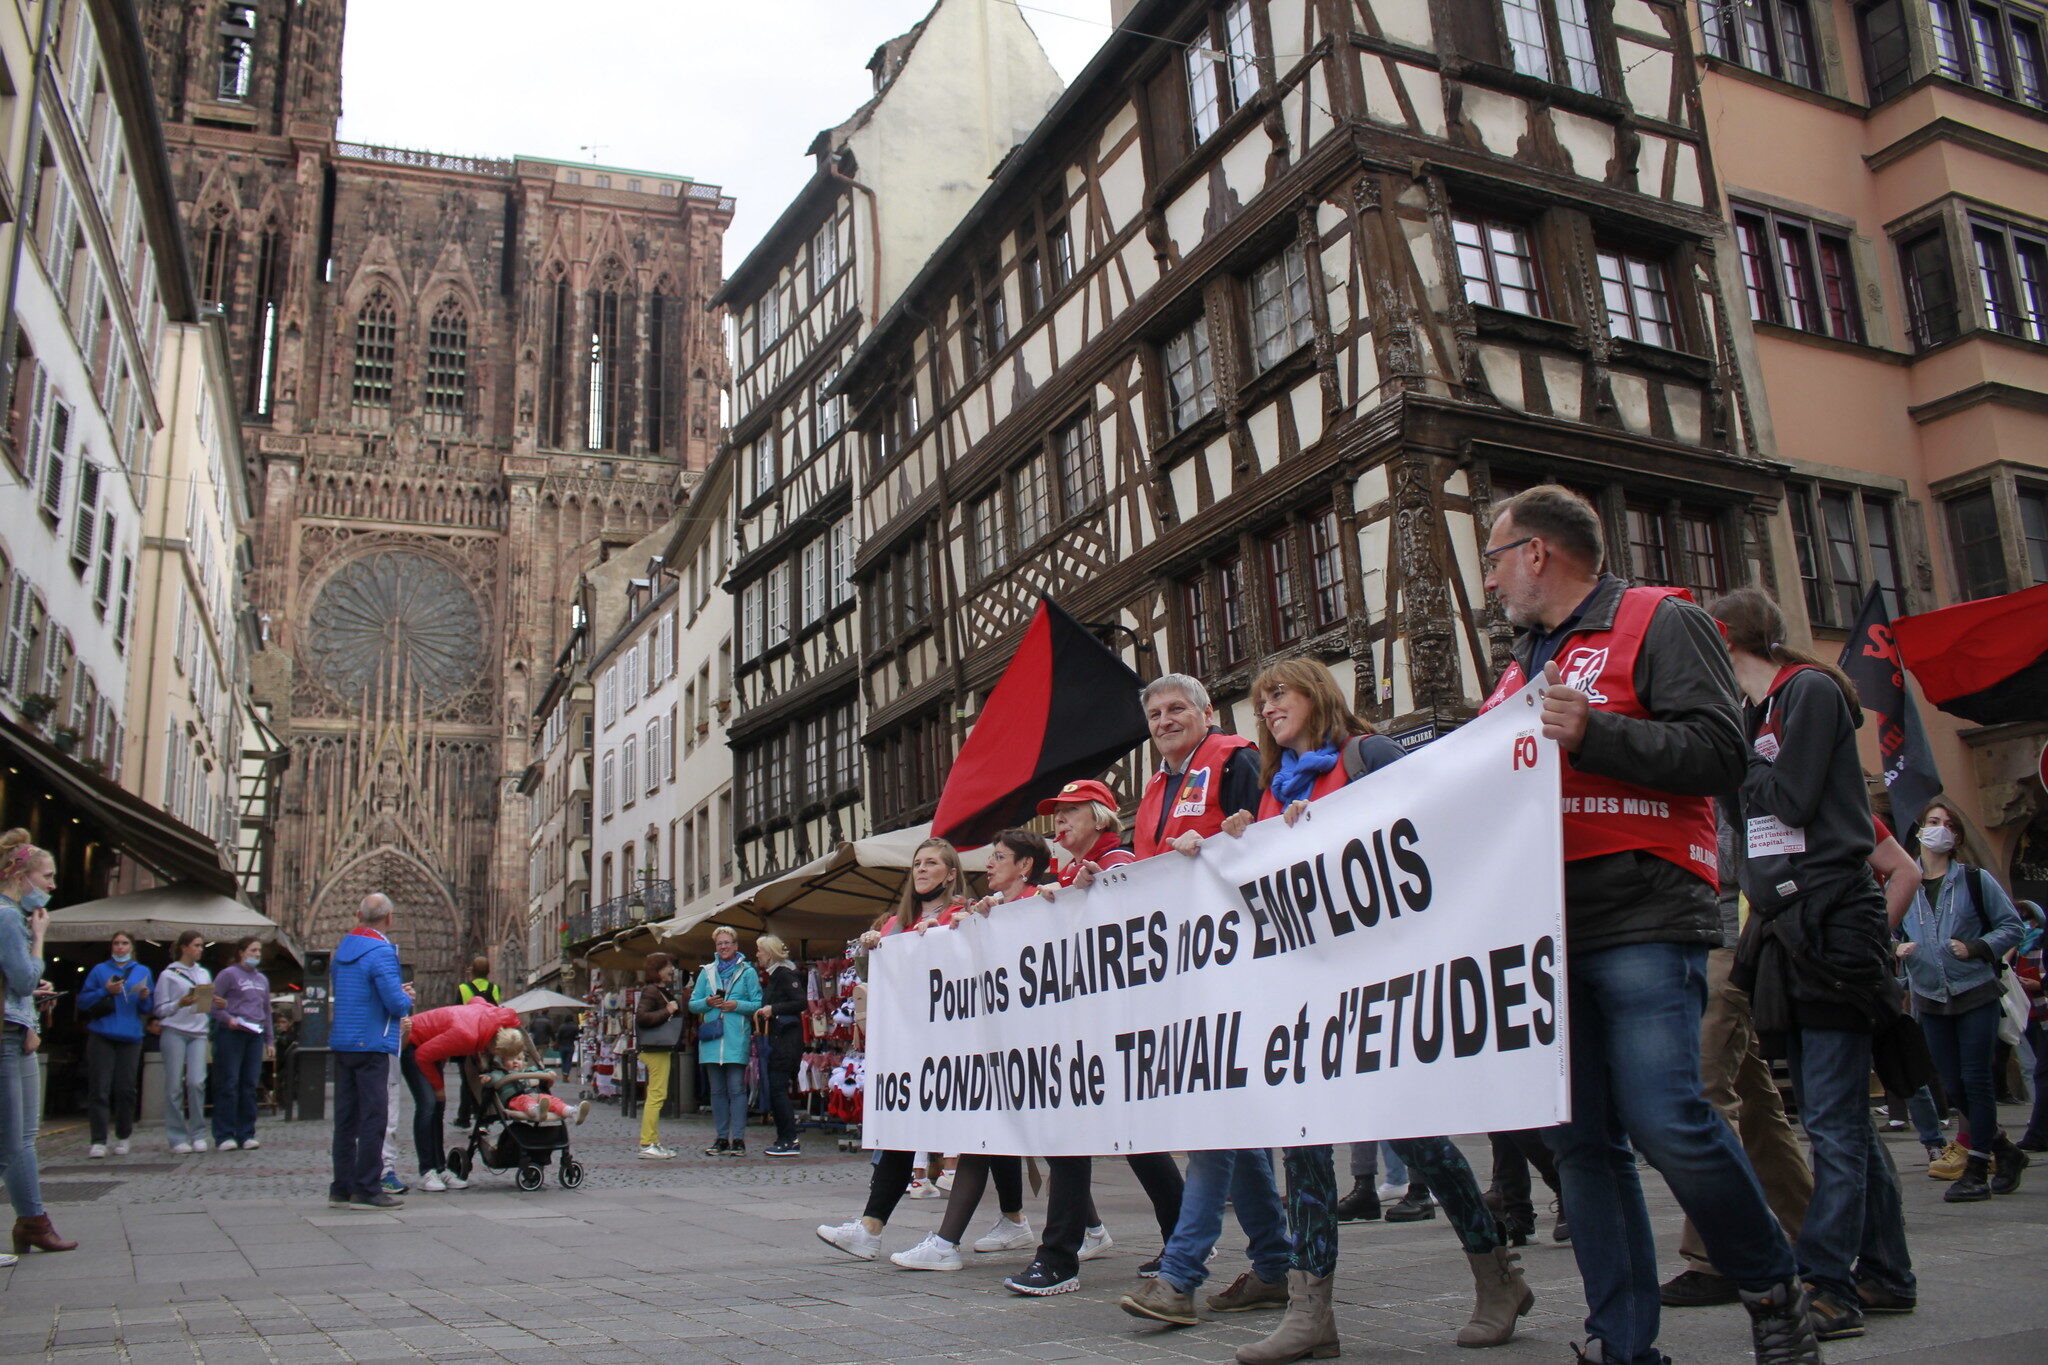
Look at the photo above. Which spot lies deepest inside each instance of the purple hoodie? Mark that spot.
(239, 993)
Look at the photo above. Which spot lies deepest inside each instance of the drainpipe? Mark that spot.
(871, 305)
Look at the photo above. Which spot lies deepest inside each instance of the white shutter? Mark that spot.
(56, 457)
(20, 641)
(842, 559)
(38, 405)
(87, 521)
(750, 618)
(103, 567)
(775, 609)
(812, 595)
(124, 614)
(631, 669)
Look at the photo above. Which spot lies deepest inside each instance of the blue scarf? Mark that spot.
(1298, 773)
(725, 973)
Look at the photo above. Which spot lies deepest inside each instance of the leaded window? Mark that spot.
(1079, 458)
(1553, 40)
(1190, 380)
(447, 389)
(1497, 263)
(376, 358)
(1638, 299)
(1281, 319)
(1222, 68)
(1031, 501)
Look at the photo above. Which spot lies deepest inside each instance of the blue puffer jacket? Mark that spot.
(130, 1006)
(369, 998)
(1991, 930)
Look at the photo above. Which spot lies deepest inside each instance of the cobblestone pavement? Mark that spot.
(233, 1257)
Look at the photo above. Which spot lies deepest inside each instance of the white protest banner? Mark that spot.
(1391, 966)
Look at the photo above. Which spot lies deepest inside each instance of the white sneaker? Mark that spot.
(853, 1239)
(198, 1144)
(654, 1151)
(121, 1147)
(944, 1182)
(96, 1151)
(1392, 1191)
(1095, 1242)
(933, 1253)
(251, 1145)
(182, 1148)
(7, 1259)
(431, 1183)
(1005, 1235)
(453, 1181)
(228, 1146)
(922, 1189)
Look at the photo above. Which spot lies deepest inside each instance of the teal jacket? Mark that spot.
(739, 1022)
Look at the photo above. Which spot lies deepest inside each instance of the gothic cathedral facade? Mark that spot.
(462, 382)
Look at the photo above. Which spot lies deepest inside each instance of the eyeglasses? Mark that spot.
(1489, 556)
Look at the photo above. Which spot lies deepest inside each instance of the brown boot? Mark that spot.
(1503, 1297)
(36, 1232)
(1308, 1329)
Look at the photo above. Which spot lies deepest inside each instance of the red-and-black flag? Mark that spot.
(1986, 661)
(1066, 708)
(1871, 659)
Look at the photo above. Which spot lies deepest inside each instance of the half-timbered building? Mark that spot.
(1238, 347)
(951, 96)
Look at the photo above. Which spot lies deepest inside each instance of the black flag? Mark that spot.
(1871, 659)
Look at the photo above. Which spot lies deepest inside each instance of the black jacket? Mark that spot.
(1691, 745)
(1812, 785)
(782, 994)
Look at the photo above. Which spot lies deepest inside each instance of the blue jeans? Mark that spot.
(237, 1072)
(1964, 1046)
(1855, 1227)
(1926, 1121)
(1635, 1060)
(429, 1111)
(21, 1114)
(728, 1099)
(360, 1102)
(184, 1085)
(1245, 1179)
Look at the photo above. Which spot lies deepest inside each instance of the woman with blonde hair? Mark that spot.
(1311, 743)
(934, 894)
(27, 877)
(780, 1020)
(727, 993)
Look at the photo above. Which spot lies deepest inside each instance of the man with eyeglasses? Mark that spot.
(1641, 699)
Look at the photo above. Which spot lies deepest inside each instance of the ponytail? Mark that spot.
(1753, 623)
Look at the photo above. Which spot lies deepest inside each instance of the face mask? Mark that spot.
(35, 898)
(252, 961)
(124, 957)
(1938, 839)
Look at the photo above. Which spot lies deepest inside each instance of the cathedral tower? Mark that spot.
(462, 380)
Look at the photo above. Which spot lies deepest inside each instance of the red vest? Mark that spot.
(1333, 780)
(1108, 852)
(1195, 797)
(1605, 815)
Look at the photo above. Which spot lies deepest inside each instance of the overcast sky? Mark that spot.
(728, 92)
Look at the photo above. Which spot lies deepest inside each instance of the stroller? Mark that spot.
(519, 1145)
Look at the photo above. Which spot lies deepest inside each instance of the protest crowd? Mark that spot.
(1729, 900)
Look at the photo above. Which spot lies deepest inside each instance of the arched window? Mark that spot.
(664, 369)
(611, 333)
(376, 360)
(267, 303)
(217, 258)
(447, 394)
(554, 379)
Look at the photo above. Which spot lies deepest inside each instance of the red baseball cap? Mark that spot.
(1079, 794)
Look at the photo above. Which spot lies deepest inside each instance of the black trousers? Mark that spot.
(359, 1114)
(111, 1066)
(971, 1174)
(885, 1187)
(1513, 1154)
(1070, 1207)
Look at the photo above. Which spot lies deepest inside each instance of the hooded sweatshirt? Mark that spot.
(369, 999)
(117, 980)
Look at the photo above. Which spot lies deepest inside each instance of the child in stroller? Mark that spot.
(530, 1121)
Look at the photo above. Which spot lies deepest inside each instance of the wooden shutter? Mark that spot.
(87, 524)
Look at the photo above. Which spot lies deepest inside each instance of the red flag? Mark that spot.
(1986, 661)
(1871, 659)
(1067, 707)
